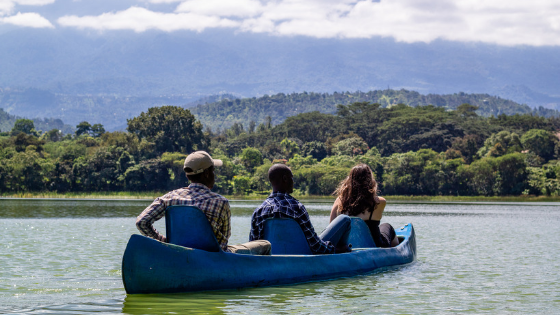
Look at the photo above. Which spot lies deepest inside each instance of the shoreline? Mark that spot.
(153, 195)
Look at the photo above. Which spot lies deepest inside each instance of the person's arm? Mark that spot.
(378, 212)
(334, 210)
(316, 244)
(145, 221)
(256, 231)
(226, 224)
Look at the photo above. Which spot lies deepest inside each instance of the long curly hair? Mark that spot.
(358, 191)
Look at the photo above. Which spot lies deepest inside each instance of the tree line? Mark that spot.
(225, 112)
(423, 150)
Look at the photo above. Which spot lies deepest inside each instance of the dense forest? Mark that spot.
(422, 150)
(225, 112)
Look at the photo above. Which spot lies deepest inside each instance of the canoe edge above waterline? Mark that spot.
(150, 266)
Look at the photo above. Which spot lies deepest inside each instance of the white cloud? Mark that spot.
(502, 22)
(164, 1)
(239, 8)
(7, 6)
(140, 19)
(27, 20)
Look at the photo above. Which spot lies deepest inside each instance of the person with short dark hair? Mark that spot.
(280, 204)
(357, 197)
(199, 168)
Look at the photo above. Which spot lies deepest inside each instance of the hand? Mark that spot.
(343, 249)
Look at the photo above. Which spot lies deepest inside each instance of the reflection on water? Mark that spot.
(75, 208)
(64, 257)
(93, 208)
(271, 300)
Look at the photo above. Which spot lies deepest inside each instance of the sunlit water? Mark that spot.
(64, 257)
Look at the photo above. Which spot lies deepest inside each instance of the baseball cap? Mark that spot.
(199, 161)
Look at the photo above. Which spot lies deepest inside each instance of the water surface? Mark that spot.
(64, 257)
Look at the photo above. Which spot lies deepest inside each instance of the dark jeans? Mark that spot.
(337, 231)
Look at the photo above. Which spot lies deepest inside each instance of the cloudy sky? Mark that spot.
(501, 22)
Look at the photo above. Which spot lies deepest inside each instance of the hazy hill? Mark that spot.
(224, 113)
(108, 110)
(122, 63)
(44, 124)
(223, 110)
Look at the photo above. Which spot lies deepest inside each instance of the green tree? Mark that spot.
(97, 130)
(313, 126)
(170, 128)
(53, 135)
(241, 184)
(148, 175)
(251, 158)
(513, 173)
(25, 126)
(225, 173)
(351, 146)
(481, 176)
(466, 111)
(468, 146)
(298, 161)
(260, 181)
(501, 143)
(83, 128)
(289, 147)
(316, 149)
(540, 142)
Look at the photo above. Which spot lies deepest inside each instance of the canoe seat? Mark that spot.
(188, 226)
(360, 237)
(286, 237)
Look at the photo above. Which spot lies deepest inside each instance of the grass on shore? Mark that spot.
(261, 196)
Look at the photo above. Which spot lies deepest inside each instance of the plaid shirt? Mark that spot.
(281, 205)
(214, 206)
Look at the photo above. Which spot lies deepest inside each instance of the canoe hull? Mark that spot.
(150, 266)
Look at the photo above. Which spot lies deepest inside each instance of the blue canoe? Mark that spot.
(198, 263)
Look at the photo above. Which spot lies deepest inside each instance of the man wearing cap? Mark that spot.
(199, 168)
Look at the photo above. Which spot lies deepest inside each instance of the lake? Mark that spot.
(64, 257)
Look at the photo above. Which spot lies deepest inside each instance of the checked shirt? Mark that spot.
(280, 205)
(214, 206)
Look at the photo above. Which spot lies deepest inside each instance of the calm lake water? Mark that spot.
(64, 257)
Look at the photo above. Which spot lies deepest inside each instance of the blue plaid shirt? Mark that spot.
(281, 205)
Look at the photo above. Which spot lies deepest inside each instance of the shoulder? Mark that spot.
(295, 202)
(337, 205)
(218, 200)
(338, 202)
(381, 202)
(217, 196)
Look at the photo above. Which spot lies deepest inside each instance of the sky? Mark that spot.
(498, 22)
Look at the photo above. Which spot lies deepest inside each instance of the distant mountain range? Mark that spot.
(108, 77)
(222, 111)
(110, 110)
(7, 123)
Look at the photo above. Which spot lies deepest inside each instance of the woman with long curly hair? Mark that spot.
(357, 197)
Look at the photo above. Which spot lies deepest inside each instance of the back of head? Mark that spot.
(357, 191)
(277, 175)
